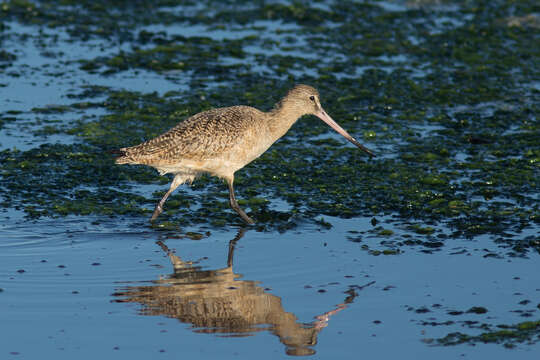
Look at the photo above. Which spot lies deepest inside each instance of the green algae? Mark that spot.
(508, 335)
(386, 232)
(449, 112)
(427, 230)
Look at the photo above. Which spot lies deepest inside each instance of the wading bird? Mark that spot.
(223, 140)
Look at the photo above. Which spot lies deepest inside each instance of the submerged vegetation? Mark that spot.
(508, 335)
(445, 93)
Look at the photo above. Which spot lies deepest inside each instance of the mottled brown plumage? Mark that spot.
(224, 140)
(202, 136)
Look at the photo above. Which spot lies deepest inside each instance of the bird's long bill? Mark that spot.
(334, 125)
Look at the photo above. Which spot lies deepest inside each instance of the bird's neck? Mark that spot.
(282, 117)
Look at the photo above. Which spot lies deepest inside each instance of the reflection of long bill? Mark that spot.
(334, 125)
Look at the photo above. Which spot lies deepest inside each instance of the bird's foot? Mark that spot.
(158, 210)
(244, 216)
(248, 220)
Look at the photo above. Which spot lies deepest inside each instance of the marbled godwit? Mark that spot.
(224, 140)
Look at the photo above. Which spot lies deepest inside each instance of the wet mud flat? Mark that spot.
(433, 245)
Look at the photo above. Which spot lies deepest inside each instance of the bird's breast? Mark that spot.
(227, 163)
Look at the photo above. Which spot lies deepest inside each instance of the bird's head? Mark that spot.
(305, 100)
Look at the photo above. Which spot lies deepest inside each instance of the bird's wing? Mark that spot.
(202, 136)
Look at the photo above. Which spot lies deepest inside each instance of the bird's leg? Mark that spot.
(178, 179)
(159, 207)
(234, 204)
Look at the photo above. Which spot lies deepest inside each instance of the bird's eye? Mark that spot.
(312, 98)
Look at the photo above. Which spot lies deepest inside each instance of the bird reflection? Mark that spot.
(215, 301)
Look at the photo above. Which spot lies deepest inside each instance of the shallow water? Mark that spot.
(379, 269)
(76, 289)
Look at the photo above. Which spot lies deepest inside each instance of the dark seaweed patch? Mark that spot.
(449, 107)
